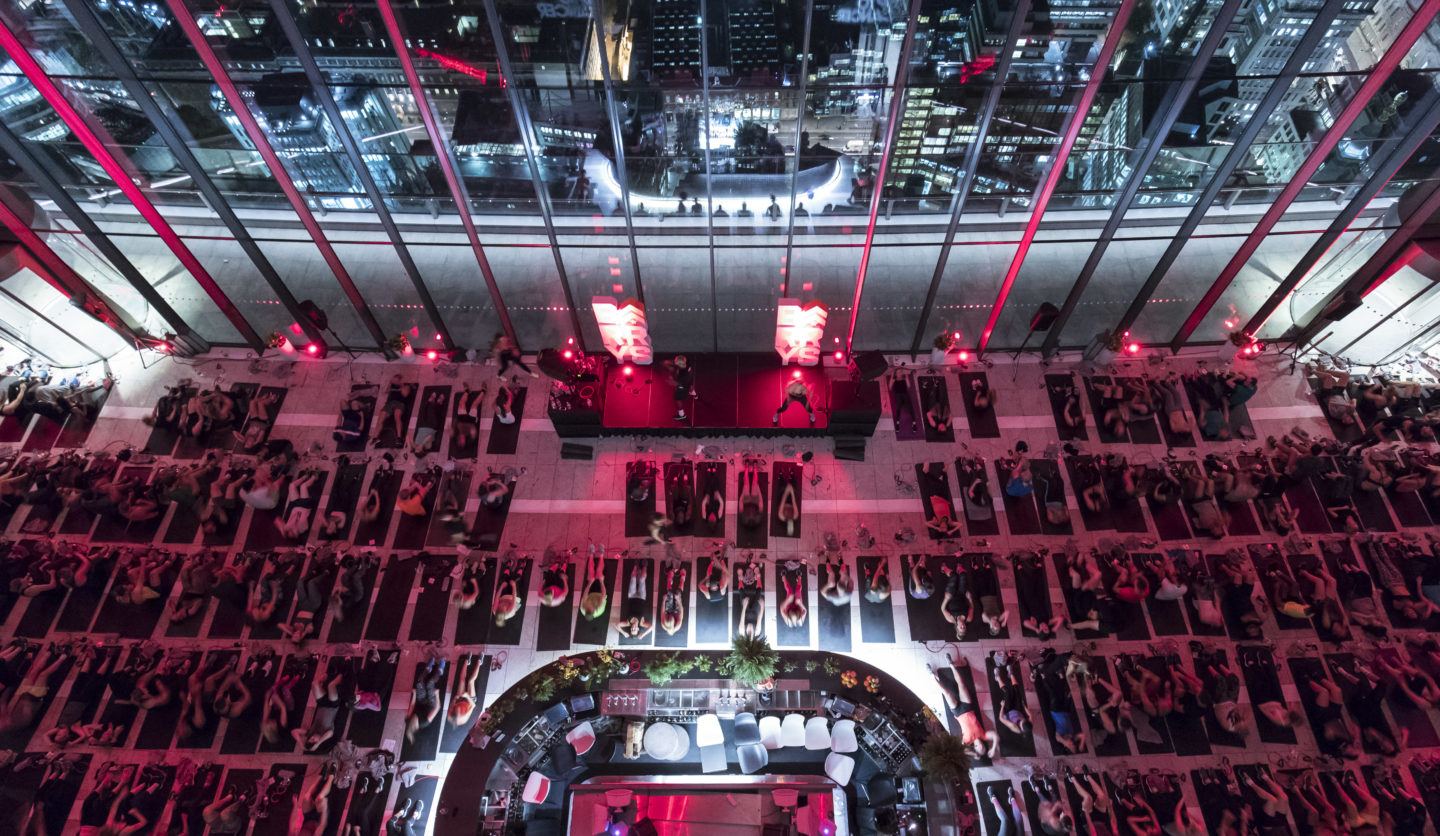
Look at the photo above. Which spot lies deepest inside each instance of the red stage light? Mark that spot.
(955, 335)
(567, 354)
(964, 355)
(312, 348)
(432, 354)
(1132, 348)
(569, 340)
(163, 347)
(629, 371)
(795, 374)
(839, 356)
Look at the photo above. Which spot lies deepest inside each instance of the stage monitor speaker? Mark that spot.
(1044, 317)
(850, 448)
(581, 452)
(1343, 306)
(317, 317)
(552, 364)
(868, 365)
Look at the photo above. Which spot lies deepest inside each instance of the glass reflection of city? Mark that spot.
(600, 159)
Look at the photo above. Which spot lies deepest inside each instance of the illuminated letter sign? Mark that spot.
(623, 329)
(799, 327)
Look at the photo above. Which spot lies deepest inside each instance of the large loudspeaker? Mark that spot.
(854, 407)
(552, 364)
(869, 365)
(1342, 307)
(317, 317)
(1044, 317)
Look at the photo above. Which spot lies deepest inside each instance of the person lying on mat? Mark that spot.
(660, 528)
(1337, 733)
(508, 597)
(1051, 815)
(980, 743)
(792, 609)
(429, 423)
(1090, 485)
(504, 404)
(750, 583)
(554, 583)
(350, 424)
(1054, 688)
(878, 583)
(1403, 810)
(714, 580)
(1115, 407)
(1107, 712)
(712, 506)
(975, 491)
(634, 611)
(311, 813)
(393, 412)
(259, 418)
(937, 416)
(300, 510)
(1238, 591)
(1009, 693)
(672, 604)
(208, 410)
(493, 490)
(752, 499)
(167, 412)
(942, 521)
(919, 582)
(900, 387)
(310, 598)
(1335, 394)
(469, 591)
(1136, 812)
(957, 605)
(143, 577)
(837, 584)
(425, 699)
(982, 397)
(467, 417)
(1199, 492)
(266, 488)
(1417, 686)
(223, 503)
(1172, 403)
(788, 510)
(594, 596)
(1018, 482)
(411, 499)
(198, 574)
(679, 505)
(467, 696)
(1365, 704)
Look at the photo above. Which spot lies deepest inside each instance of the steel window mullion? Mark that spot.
(709, 178)
(799, 130)
(444, 155)
(1394, 154)
(1069, 135)
(970, 163)
(1357, 104)
(617, 139)
(529, 141)
(117, 173)
(1151, 144)
(898, 90)
(52, 323)
(301, 48)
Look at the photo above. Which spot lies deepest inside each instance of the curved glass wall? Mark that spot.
(710, 157)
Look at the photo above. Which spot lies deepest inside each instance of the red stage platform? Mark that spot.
(733, 393)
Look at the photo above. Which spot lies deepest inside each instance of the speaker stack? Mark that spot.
(579, 452)
(868, 365)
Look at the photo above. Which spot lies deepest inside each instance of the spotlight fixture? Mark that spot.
(1132, 349)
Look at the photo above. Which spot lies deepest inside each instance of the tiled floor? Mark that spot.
(562, 504)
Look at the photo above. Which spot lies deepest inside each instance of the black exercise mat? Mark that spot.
(509, 634)
(682, 635)
(1012, 744)
(14, 427)
(392, 599)
(229, 619)
(1171, 521)
(926, 622)
(157, 727)
(454, 735)
(982, 526)
(1415, 720)
(1409, 508)
(1373, 510)
(678, 475)
(85, 601)
(367, 418)
(224, 535)
(982, 423)
(712, 618)
(505, 438)
(1097, 409)
(1046, 707)
(877, 618)
(1217, 735)
(993, 826)
(932, 390)
(345, 496)
(932, 484)
(387, 438)
(1049, 487)
(1256, 665)
(1167, 618)
(1102, 520)
(709, 476)
(1309, 511)
(410, 530)
(221, 437)
(639, 514)
(432, 415)
(1172, 438)
(596, 631)
(1067, 591)
(834, 620)
(489, 526)
(425, 743)
(1029, 571)
(786, 636)
(756, 536)
(1020, 511)
(303, 667)
(162, 440)
(368, 727)
(289, 576)
(136, 621)
(40, 614)
(443, 533)
(1158, 724)
(1187, 723)
(185, 521)
(1347, 433)
(470, 449)
(1116, 745)
(263, 534)
(277, 823)
(553, 630)
(646, 610)
(204, 738)
(1266, 558)
(472, 625)
(422, 795)
(387, 484)
(1055, 388)
(352, 628)
(794, 474)
(1130, 617)
(432, 603)
(1142, 429)
(912, 430)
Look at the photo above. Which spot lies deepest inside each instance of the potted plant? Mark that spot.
(944, 758)
(1105, 346)
(941, 348)
(1234, 341)
(752, 662)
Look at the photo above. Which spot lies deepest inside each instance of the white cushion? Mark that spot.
(842, 736)
(537, 789)
(708, 732)
(770, 731)
(839, 767)
(792, 730)
(817, 734)
(582, 737)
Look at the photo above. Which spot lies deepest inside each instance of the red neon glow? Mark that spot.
(457, 65)
(163, 347)
(312, 348)
(1057, 165)
(1379, 76)
(569, 340)
(955, 335)
(1132, 348)
(795, 374)
(976, 67)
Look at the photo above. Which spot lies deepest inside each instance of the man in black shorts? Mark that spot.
(682, 376)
